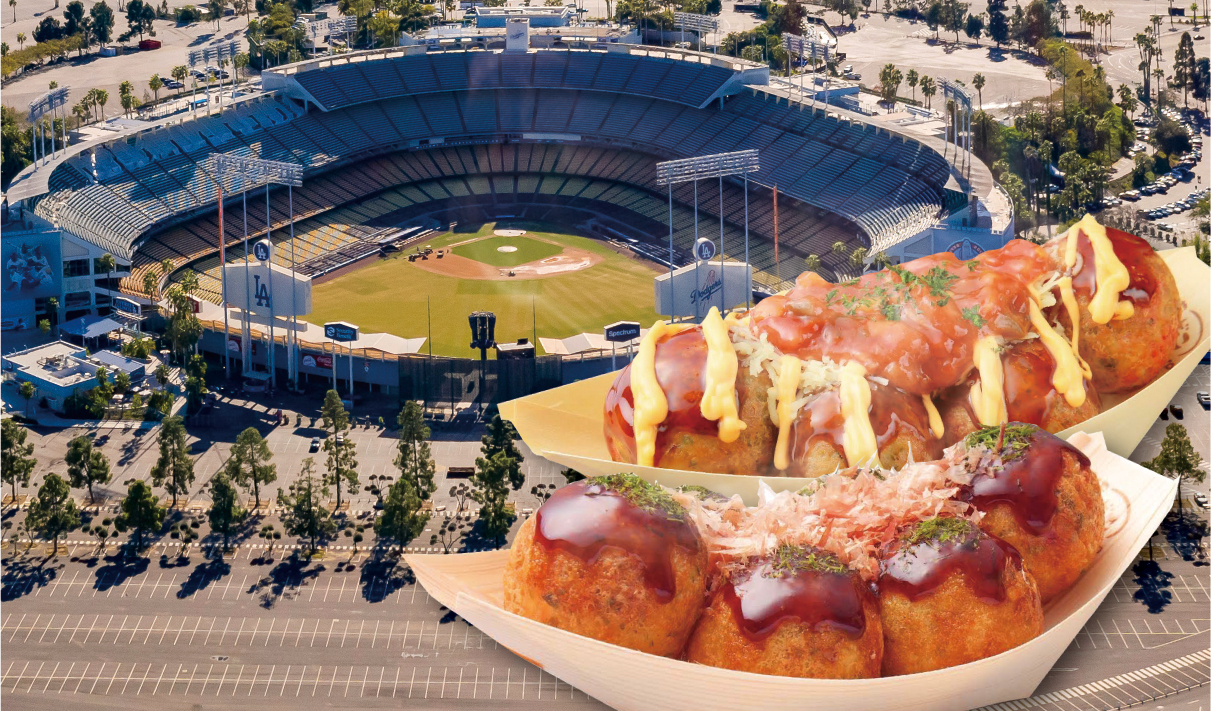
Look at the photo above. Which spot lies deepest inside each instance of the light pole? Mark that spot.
(717, 165)
(256, 170)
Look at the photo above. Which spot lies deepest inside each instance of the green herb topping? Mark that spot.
(1010, 441)
(642, 494)
(972, 313)
(789, 560)
(940, 530)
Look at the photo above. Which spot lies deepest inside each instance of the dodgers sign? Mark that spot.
(697, 287)
(262, 250)
(704, 249)
(340, 331)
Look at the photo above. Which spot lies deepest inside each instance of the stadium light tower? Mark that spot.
(800, 45)
(48, 103)
(695, 23)
(958, 121)
(716, 165)
(258, 171)
(219, 53)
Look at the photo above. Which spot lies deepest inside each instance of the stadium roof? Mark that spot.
(90, 326)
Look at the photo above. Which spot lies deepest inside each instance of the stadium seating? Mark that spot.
(627, 108)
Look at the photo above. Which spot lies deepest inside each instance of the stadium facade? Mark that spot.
(495, 132)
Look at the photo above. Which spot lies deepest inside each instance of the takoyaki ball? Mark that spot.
(686, 439)
(1128, 353)
(613, 558)
(1045, 501)
(1029, 395)
(799, 612)
(950, 594)
(899, 420)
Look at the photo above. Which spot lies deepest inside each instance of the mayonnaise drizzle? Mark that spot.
(1112, 276)
(719, 392)
(858, 436)
(935, 420)
(651, 405)
(785, 391)
(988, 393)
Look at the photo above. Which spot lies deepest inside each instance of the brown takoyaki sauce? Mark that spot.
(584, 518)
(892, 412)
(771, 592)
(1029, 480)
(915, 324)
(681, 371)
(917, 569)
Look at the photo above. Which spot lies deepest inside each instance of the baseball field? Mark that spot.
(562, 284)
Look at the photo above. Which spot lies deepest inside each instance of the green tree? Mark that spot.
(414, 459)
(491, 491)
(16, 145)
(173, 469)
(1177, 458)
(195, 381)
(184, 330)
(27, 391)
(179, 73)
(248, 465)
(978, 82)
(141, 511)
(102, 25)
(1184, 67)
(974, 27)
(225, 513)
(889, 84)
(501, 438)
(305, 515)
(86, 465)
(53, 512)
(341, 462)
(401, 519)
(928, 89)
(998, 22)
(16, 457)
(812, 262)
(216, 8)
(912, 79)
(155, 84)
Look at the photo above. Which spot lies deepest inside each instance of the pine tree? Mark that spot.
(174, 469)
(225, 513)
(491, 492)
(341, 462)
(249, 465)
(998, 22)
(305, 515)
(86, 466)
(500, 439)
(401, 519)
(52, 513)
(16, 462)
(141, 511)
(415, 461)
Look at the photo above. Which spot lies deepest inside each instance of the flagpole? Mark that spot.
(223, 288)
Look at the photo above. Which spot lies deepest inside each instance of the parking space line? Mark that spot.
(49, 679)
(237, 681)
(31, 629)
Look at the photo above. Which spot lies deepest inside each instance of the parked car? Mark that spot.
(315, 445)
(1204, 399)
(1178, 412)
(1201, 500)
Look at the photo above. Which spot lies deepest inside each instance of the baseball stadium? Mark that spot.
(439, 181)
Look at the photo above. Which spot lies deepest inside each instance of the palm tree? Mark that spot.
(102, 98)
(978, 82)
(179, 73)
(107, 263)
(21, 40)
(813, 262)
(13, 5)
(155, 84)
(240, 61)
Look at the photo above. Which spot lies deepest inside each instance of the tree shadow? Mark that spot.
(382, 576)
(284, 581)
(202, 576)
(119, 568)
(21, 577)
(1185, 531)
(1154, 584)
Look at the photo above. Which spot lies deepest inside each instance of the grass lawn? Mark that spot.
(391, 295)
(488, 251)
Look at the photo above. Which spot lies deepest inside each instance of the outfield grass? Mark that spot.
(487, 250)
(391, 296)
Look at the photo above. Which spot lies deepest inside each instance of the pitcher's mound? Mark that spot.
(508, 233)
(506, 248)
